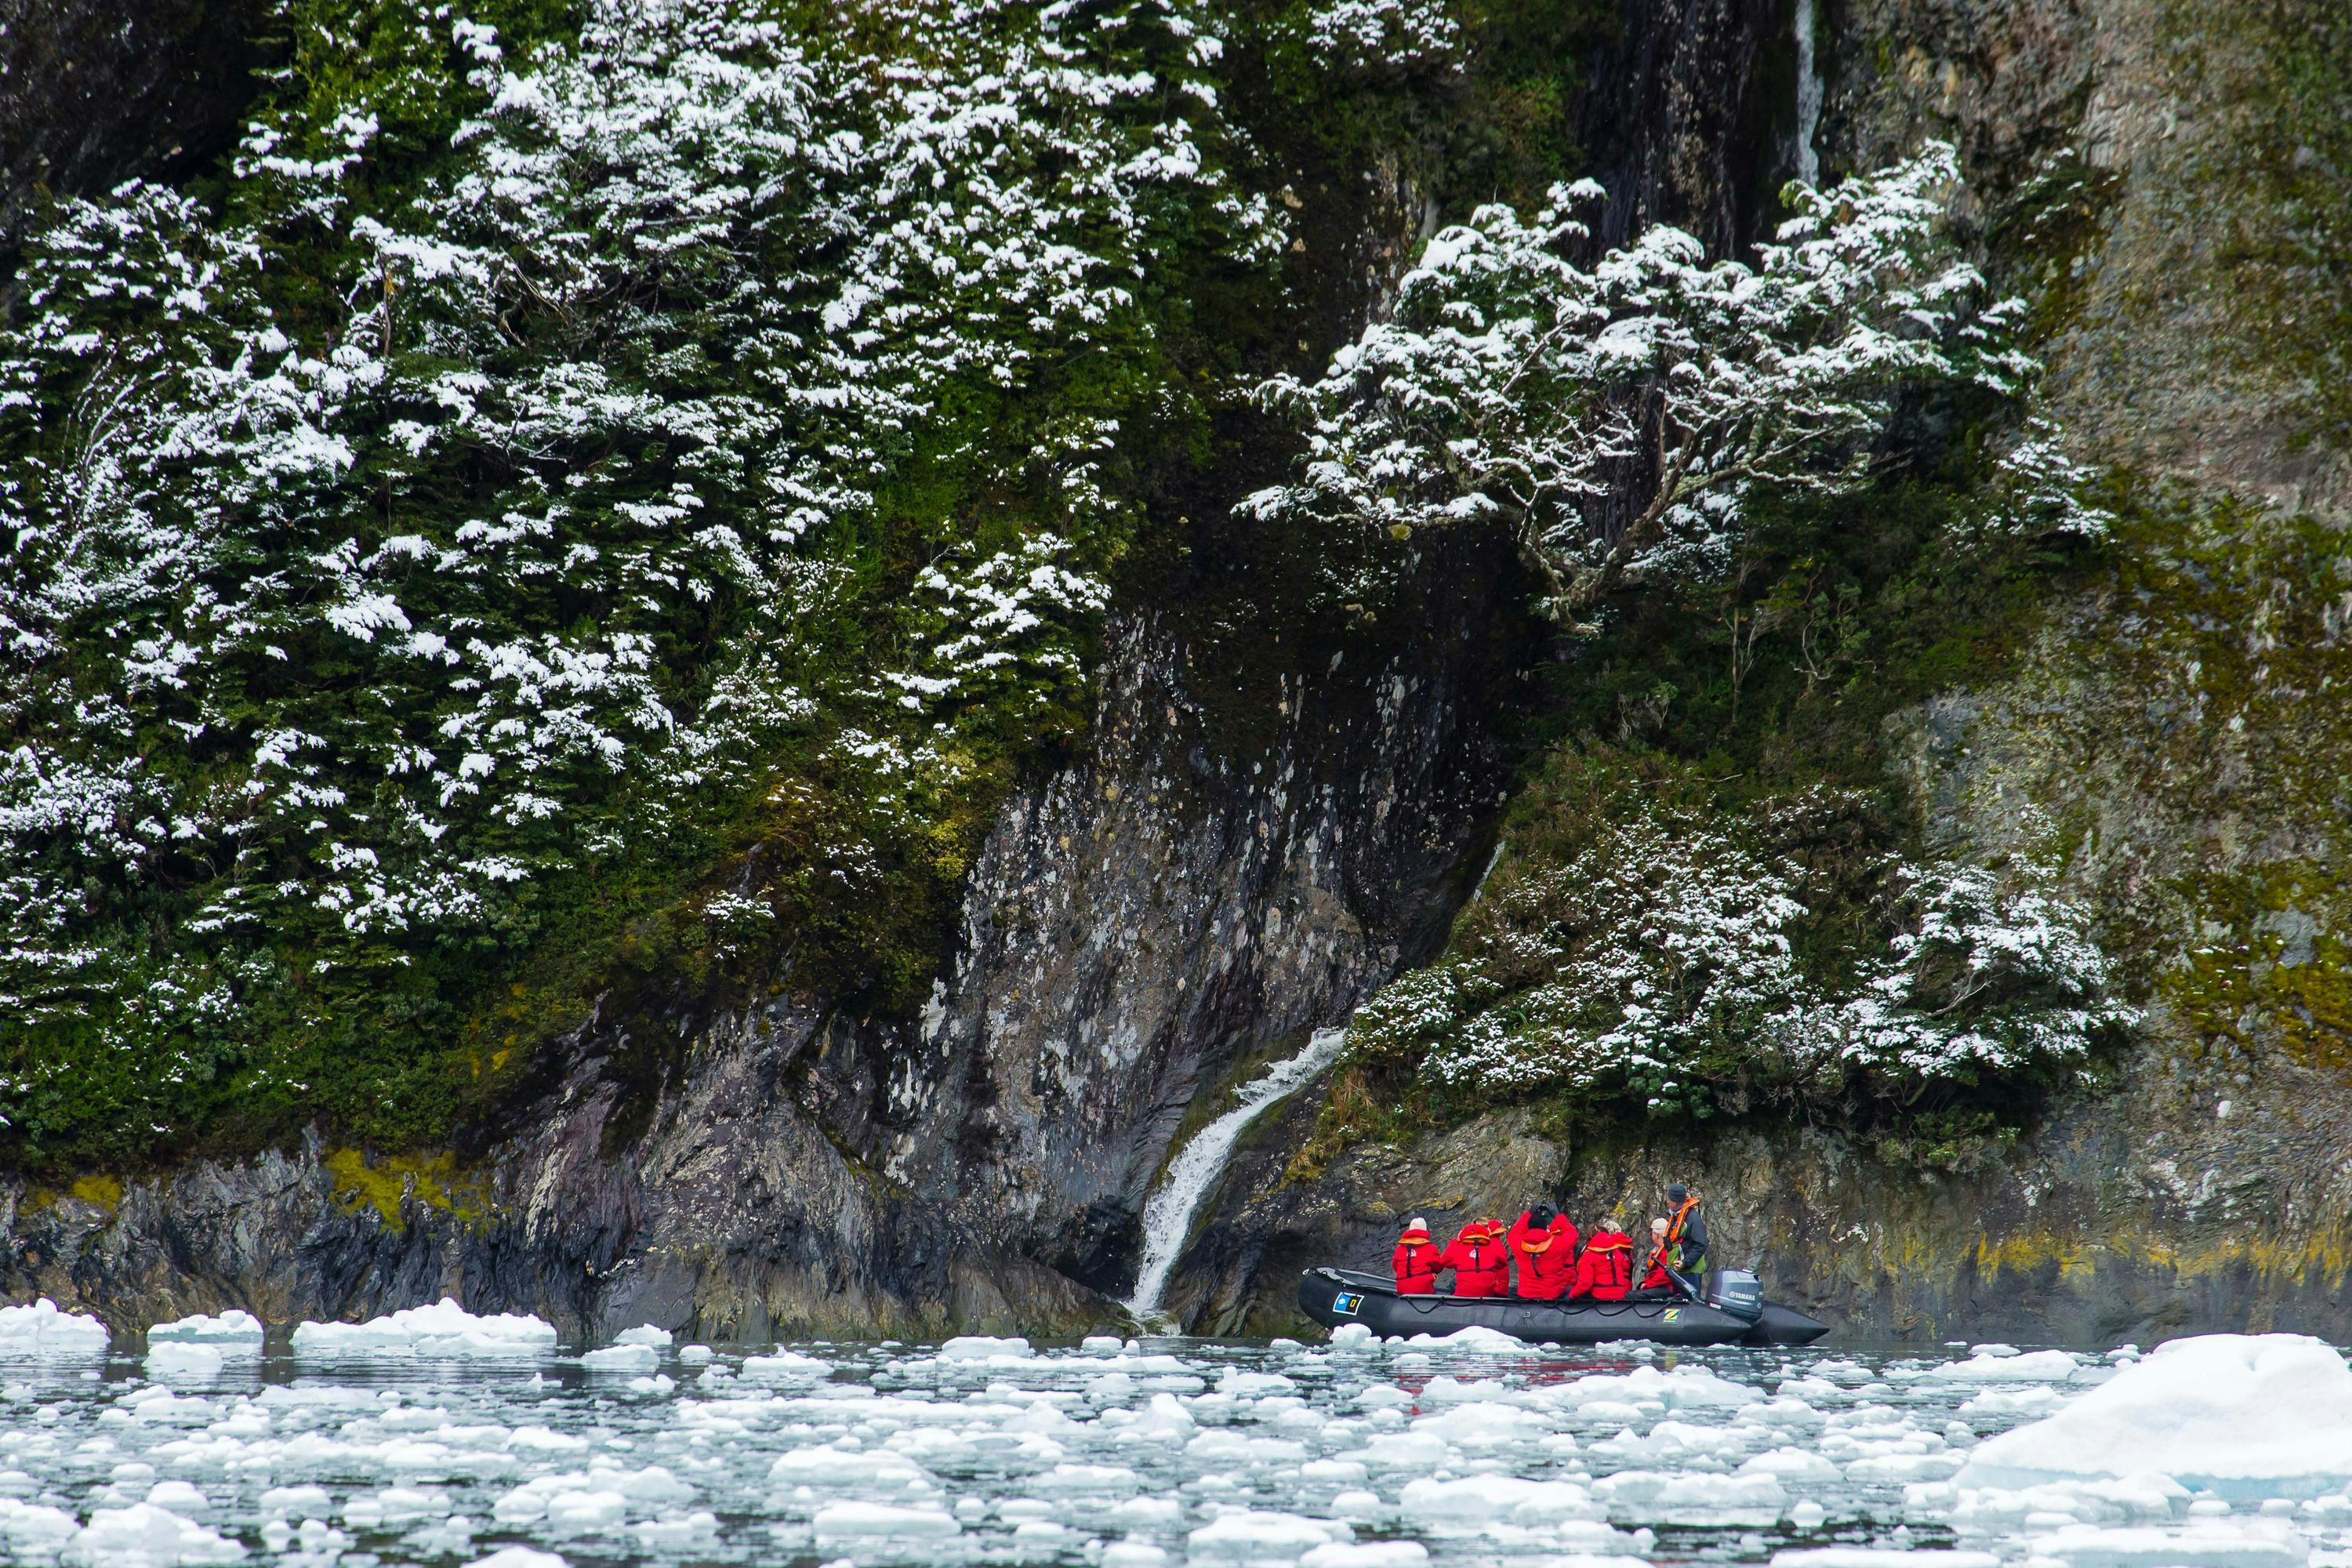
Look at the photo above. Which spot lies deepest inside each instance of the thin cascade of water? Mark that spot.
(1168, 1216)
(1808, 96)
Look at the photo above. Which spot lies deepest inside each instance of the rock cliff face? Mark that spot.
(1173, 907)
(2171, 734)
(94, 93)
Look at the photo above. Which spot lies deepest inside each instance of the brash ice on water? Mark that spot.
(435, 1438)
(1168, 1216)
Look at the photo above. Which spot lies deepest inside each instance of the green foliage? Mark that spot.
(569, 511)
(1719, 770)
(1474, 105)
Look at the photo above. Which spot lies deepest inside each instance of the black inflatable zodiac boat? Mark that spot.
(1729, 1309)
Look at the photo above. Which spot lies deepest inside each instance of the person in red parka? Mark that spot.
(1605, 1272)
(1480, 1260)
(1543, 1245)
(1418, 1260)
(1657, 1279)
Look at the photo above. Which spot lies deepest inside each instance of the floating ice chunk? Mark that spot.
(840, 1469)
(1134, 1554)
(402, 1505)
(518, 1557)
(1657, 1496)
(1695, 1388)
(2033, 1400)
(626, 1359)
(160, 1404)
(694, 1355)
(1882, 1557)
(1905, 1467)
(2135, 1500)
(1484, 1424)
(1248, 1384)
(1682, 1440)
(543, 1440)
(584, 1512)
(178, 1497)
(1224, 1449)
(33, 1533)
(1479, 1499)
(443, 1331)
(232, 1329)
(1250, 1535)
(984, 1347)
(307, 1502)
(2238, 1414)
(1445, 1390)
(188, 1363)
(2036, 1366)
(1355, 1339)
(695, 1529)
(644, 1334)
(145, 1536)
(840, 1523)
(785, 1366)
(1333, 1472)
(1797, 1464)
(1086, 1480)
(1365, 1554)
(1101, 1344)
(1477, 1339)
(41, 1330)
(574, 1504)
(2206, 1543)
(1418, 1451)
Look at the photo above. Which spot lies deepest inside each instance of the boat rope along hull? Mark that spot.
(1335, 1296)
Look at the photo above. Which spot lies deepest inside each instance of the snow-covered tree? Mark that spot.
(1512, 387)
(1660, 964)
(1983, 974)
(546, 450)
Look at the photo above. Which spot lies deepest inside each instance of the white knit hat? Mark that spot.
(1416, 1223)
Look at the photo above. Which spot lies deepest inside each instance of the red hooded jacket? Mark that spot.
(1417, 1261)
(1605, 1272)
(1546, 1258)
(1480, 1260)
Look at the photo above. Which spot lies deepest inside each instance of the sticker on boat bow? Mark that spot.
(1674, 1314)
(1346, 1303)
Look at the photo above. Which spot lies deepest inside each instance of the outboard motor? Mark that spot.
(1736, 1293)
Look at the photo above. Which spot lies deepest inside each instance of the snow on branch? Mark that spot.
(1516, 388)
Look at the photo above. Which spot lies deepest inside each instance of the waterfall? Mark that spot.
(1167, 1217)
(1809, 97)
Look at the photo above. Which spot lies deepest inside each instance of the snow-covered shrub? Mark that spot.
(1355, 33)
(1514, 388)
(1982, 974)
(1661, 943)
(1661, 961)
(545, 448)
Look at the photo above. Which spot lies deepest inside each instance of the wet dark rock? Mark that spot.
(93, 92)
(1139, 925)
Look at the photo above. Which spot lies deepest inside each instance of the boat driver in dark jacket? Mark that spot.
(1685, 1230)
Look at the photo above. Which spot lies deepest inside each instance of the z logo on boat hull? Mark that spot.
(1347, 1303)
